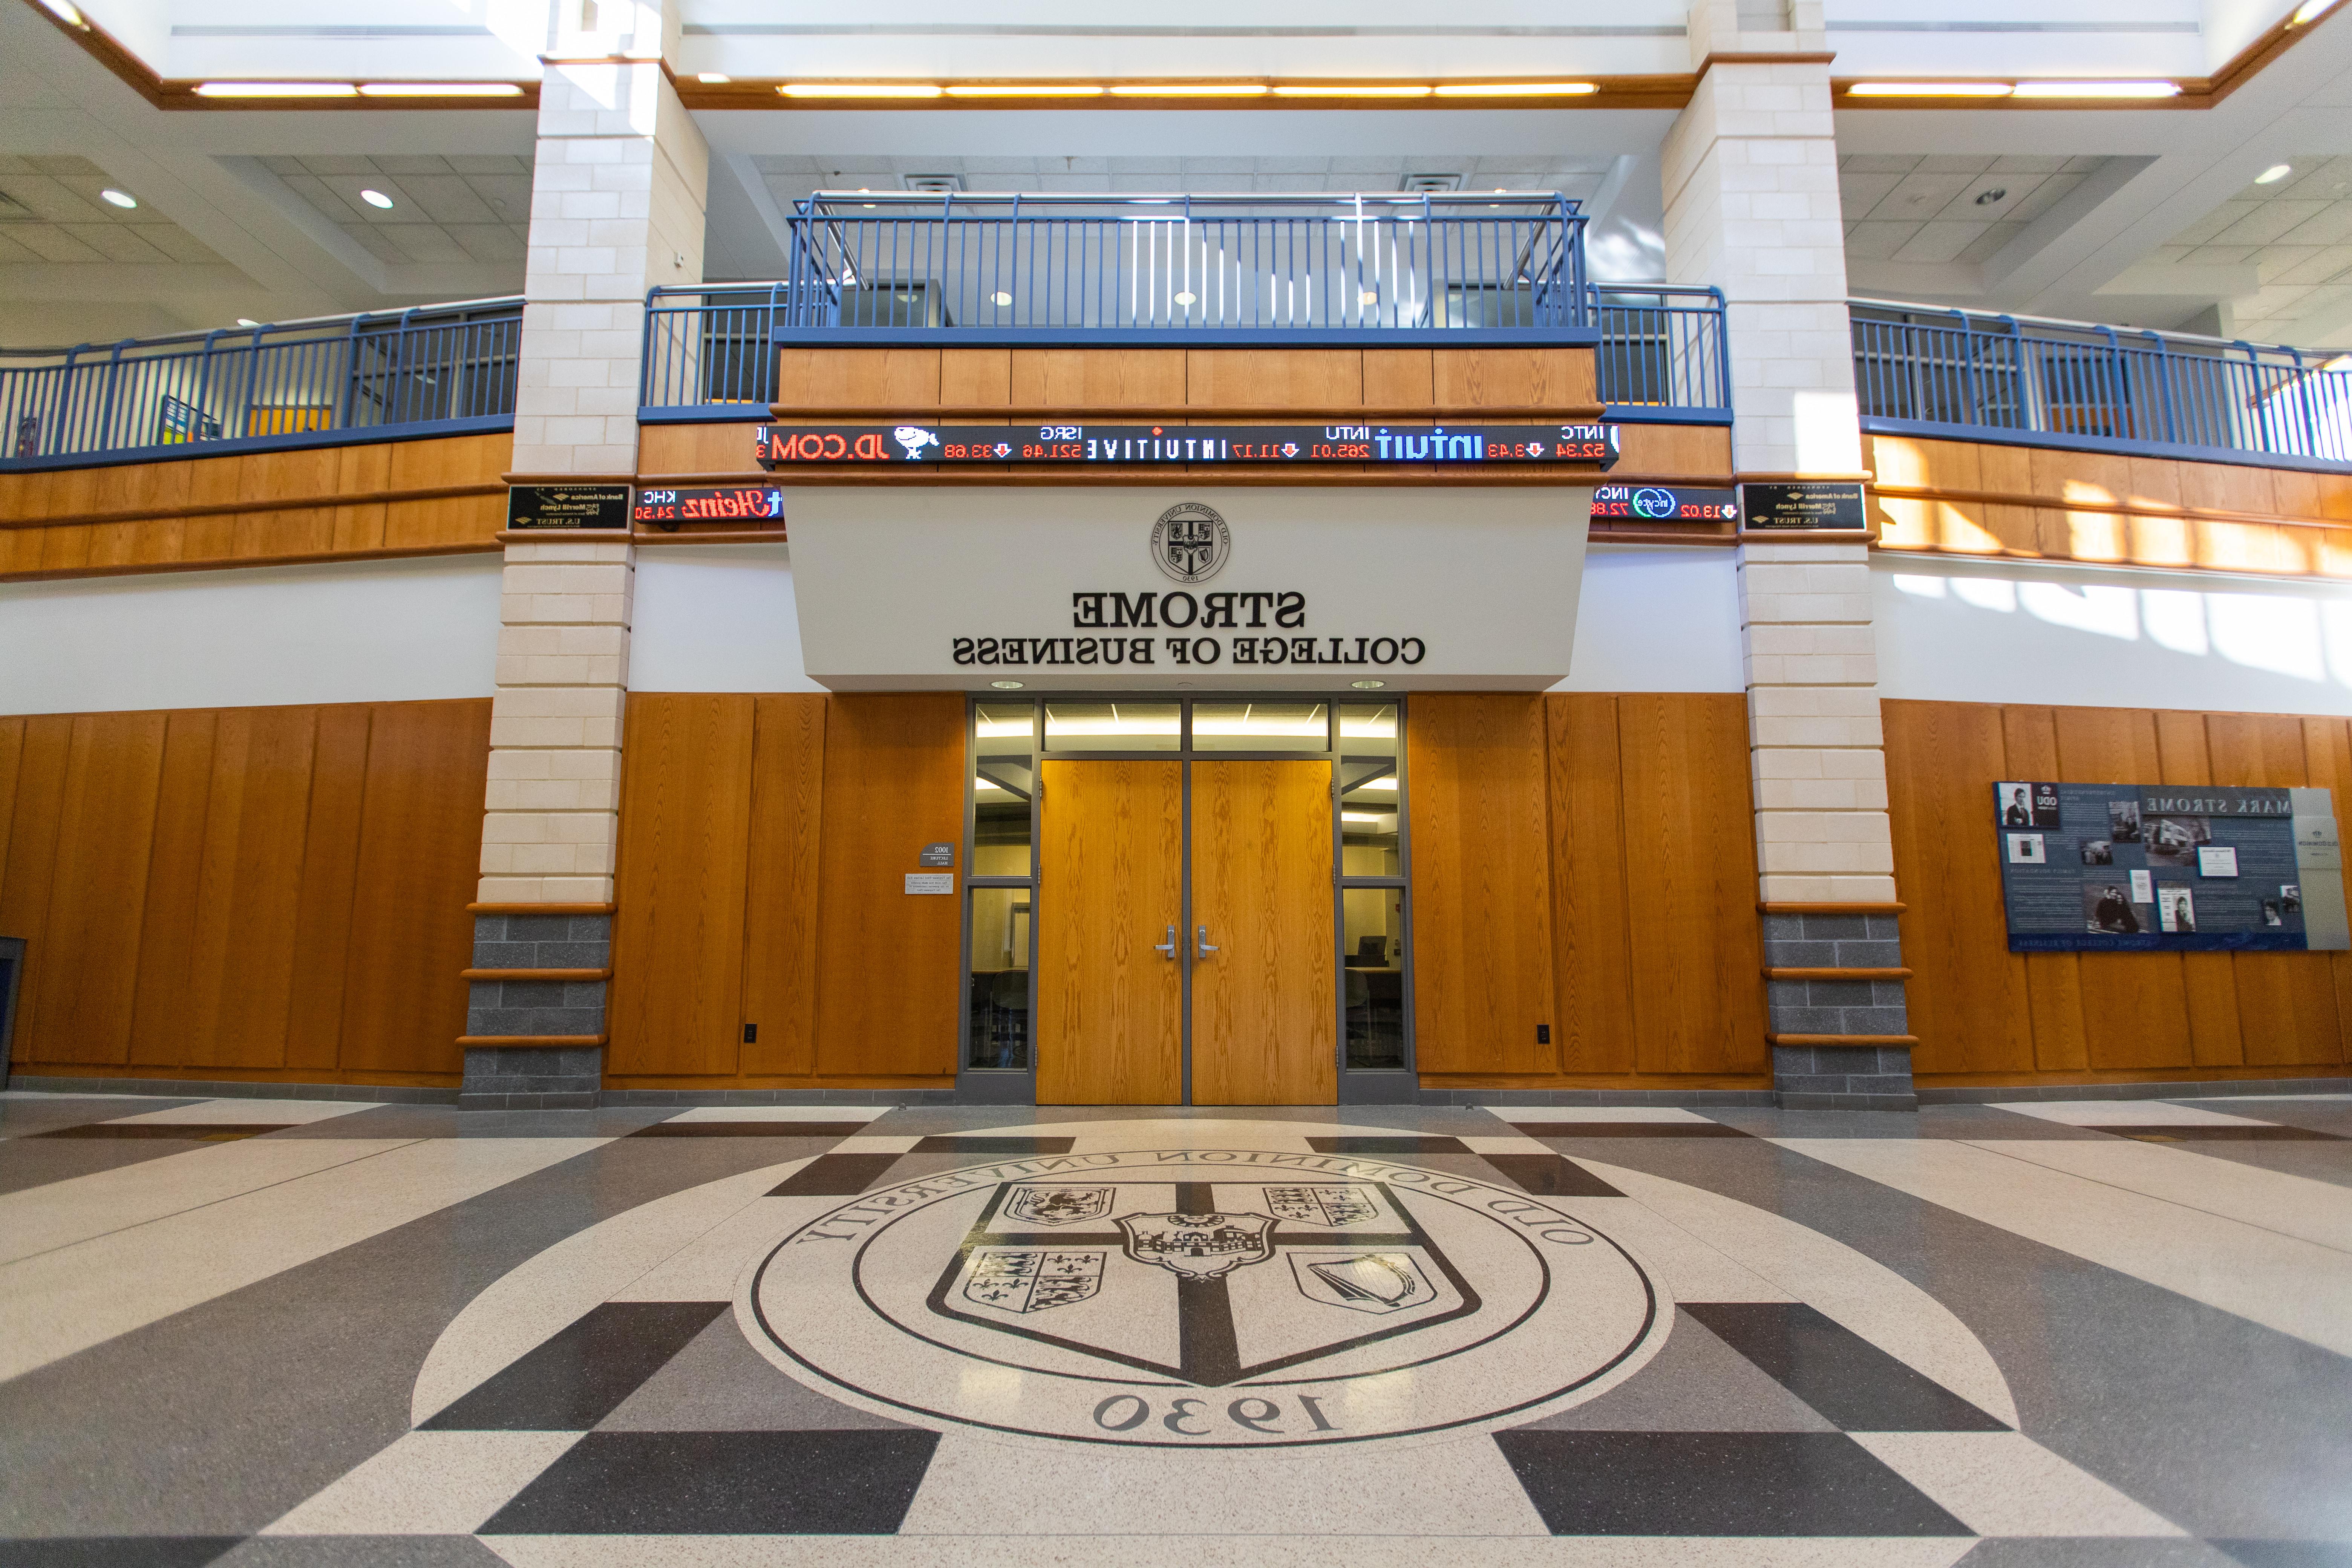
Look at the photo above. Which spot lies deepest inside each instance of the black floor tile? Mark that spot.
(2210, 1133)
(1548, 1175)
(1626, 1130)
(724, 1483)
(1837, 1371)
(748, 1130)
(950, 1144)
(1388, 1145)
(577, 1378)
(1716, 1483)
(117, 1551)
(833, 1176)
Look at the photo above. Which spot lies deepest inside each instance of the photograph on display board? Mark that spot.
(2026, 804)
(2174, 840)
(2176, 909)
(2108, 908)
(2217, 861)
(2271, 914)
(2098, 852)
(2027, 850)
(2123, 821)
(2291, 899)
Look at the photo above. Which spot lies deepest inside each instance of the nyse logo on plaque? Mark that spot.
(1190, 541)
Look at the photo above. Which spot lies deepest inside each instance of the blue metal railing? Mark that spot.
(1661, 352)
(253, 387)
(1921, 370)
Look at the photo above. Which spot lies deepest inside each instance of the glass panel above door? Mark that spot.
(1261, 726)
(1112, 726)
(1004, 780)
(1370, 801)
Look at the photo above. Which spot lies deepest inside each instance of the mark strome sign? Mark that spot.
(1131, 446)
(1191, 543)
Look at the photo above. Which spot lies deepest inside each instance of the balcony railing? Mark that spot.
(1923, 371)
(440, 369)
(1662, 354)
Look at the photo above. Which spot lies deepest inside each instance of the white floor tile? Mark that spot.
(2318, 1212)
(2279, 1281)
(2005, 1483)
(428, 1483)
(2127, 1113)
(249, 1112)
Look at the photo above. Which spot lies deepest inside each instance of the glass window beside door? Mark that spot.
(1372, 893)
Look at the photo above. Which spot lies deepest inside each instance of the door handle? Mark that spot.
(1203, 940)
(1166, 949)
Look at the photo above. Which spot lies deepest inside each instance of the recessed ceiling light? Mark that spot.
(247, 321)
(2275, 173)
(1186, 297)
(118, 198)
(1929, 89)
(2309, 11)
(376, 198)
(1368, 685)
(2097, 89)
(714, 78)
(1992, 194)
(439, 89)
(859, 90)
(276, 90)
(1006, 685)
(65, 14)
(999, 297)
(1515, 89)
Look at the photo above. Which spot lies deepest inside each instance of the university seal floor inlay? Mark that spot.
(400, 1336)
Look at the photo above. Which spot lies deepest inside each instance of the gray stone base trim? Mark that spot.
(1843, 1078)
(2185, 1088)
(222, 1088)
(531, 1078)
(538, 1006)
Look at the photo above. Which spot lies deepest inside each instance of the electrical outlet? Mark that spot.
(751, 1034)
(1543, 1034)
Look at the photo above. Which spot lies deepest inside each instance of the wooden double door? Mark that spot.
(1185, 947)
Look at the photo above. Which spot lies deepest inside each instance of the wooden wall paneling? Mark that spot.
(1697, 451)
(328, 885)
(160, 1025)
(1592, 966)
(2053, 980)
(242, 975)
(1481, 878)
(91, 931)
(1696, 953)
(1303, 379)
(696, 448)
(976, 377)
(12, 751)
(1399, 378)
(781, 892)
(1969, 997)
(889, 965)
(2212, 978)
(66, 546)
(1098, 378)
(857, 378)
(358, 471)
(305, 471)
(2327, 754)
(2286, 1001)
(675, 1003)
(420, 853)
(2135, 1006)
(46, 745)
(1516, 377)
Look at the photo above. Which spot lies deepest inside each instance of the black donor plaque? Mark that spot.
(1803, 506)
(1146, 445)
(2149, 868)
(568, 505)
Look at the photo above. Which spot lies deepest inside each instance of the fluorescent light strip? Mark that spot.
(1929, 89)
(1367, 90)
(1193, 90)
(1363, 816)
(860, 90)
(1515, 89)
(72, 18)
(2097, 89)
(276, 90)
(439, 89)
(2310, 10)
(1032, 89)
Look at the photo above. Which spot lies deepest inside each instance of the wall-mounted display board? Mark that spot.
(568, 505)
(2161, 867)
(1148, 446)
(718, 504)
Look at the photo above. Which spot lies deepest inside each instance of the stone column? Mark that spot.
(1752, 201)
(617, 199)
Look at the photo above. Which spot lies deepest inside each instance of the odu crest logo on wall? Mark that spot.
(1190, 541)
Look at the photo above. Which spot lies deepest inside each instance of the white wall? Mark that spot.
(1656, 620)
(368, 631)
(716, 617)
(1958, 631)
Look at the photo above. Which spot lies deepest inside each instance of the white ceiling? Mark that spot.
(54, 214)
(1931, 208)
(2295, 233)
(790, 177)
(465, 207)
